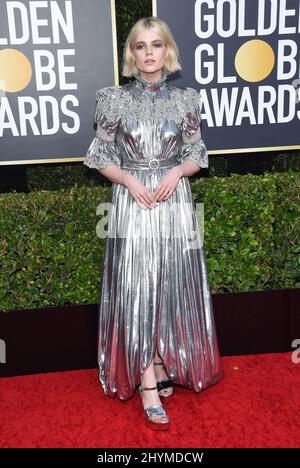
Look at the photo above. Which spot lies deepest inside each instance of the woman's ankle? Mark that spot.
(148, 377)
(157, 357)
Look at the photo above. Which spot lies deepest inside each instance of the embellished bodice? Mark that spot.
(143, 120)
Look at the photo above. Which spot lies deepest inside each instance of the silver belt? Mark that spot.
(153, 163)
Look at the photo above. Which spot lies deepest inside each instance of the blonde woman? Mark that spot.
(156, 323)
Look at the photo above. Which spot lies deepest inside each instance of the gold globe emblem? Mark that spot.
(254, 60)
(15, 70)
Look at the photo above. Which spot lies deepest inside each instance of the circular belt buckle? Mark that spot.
(155, 161)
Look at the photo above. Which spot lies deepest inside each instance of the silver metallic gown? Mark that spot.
(155, 290)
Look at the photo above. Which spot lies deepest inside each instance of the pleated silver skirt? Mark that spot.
(154, 292)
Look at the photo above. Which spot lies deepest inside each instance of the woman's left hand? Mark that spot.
(167, 184)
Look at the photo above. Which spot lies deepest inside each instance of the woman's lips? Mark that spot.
(149, 61)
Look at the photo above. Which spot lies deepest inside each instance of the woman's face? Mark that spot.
(149, 51)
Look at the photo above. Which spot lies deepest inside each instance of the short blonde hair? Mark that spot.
(172, 63)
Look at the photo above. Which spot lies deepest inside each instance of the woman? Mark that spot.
(155, 304)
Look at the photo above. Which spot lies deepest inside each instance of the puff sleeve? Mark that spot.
(103, 150)
(193, 146)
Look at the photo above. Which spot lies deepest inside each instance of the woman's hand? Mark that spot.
(168, 184)
(140, 193)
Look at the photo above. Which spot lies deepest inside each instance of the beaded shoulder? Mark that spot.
(192, 98)
(107, 99)
(118, 103)
(107, 91)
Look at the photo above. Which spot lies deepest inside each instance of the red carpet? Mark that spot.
(255, 405)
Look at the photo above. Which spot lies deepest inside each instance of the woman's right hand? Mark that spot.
(140, 193)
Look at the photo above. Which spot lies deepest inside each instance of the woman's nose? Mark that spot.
(148, 50)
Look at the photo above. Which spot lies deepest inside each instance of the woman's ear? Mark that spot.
(168, 51)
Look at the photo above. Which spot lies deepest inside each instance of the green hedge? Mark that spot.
(50, 253)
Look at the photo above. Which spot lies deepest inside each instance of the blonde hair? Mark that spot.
(172, 63)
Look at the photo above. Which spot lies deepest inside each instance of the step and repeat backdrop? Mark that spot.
(242, 56)
(54, 55)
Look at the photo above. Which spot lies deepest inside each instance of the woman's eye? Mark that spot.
(140, 46)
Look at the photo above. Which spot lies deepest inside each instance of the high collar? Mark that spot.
(149, 85)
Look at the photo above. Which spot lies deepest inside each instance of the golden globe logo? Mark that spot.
(40, 29)
(246, 72)
(15, 70)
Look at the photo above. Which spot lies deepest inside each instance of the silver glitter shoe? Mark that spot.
(156, 417)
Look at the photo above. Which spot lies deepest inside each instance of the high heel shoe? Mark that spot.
(165, 388)
(156, 416)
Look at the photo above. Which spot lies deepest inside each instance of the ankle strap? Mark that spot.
(149, 388)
